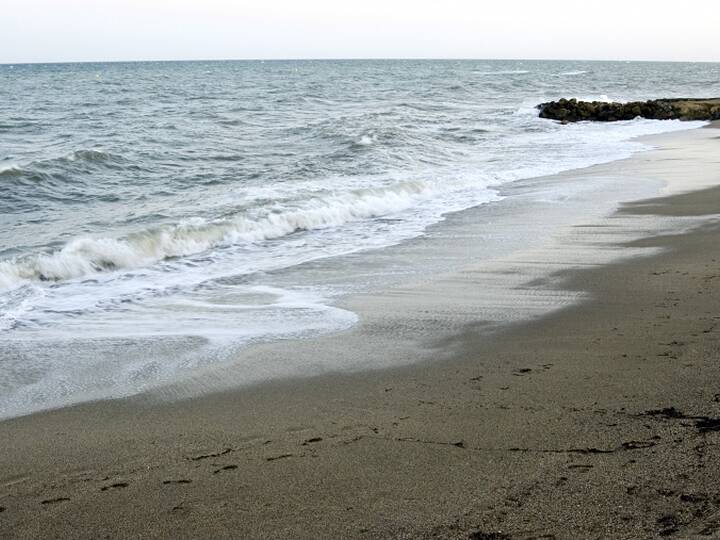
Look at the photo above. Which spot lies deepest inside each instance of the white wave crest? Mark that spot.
(86, 256)
(366, 140)
(91, 154)
(10, 170)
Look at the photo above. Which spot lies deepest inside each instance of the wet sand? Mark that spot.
(598, 420)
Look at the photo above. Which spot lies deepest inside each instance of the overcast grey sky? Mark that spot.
(88, 30)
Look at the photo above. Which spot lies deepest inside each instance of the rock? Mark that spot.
(571, 110)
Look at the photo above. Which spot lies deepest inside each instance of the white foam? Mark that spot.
(10, 170)
(87, 256)
(366, 140)
(318, 209)
(134, 360)
(90, 154)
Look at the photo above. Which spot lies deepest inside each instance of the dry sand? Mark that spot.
(598, 420)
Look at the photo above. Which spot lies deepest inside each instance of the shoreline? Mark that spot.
(531, 212)
(503, 426)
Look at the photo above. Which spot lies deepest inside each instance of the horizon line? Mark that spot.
(348, 59)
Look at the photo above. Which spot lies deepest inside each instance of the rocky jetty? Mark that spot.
(572, 110)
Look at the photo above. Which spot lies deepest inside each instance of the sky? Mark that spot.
(115, 30)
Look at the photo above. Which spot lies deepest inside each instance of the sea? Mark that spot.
(156, 218)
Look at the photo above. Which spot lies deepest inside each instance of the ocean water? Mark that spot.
(146, 207)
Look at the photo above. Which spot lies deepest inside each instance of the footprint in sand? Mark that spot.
(55, 500)
(281, 456)
(225, 468)
(312, 441)
(116, 485)
(212, 455)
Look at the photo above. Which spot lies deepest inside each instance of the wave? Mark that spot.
(9, 171)
(18, 125)
(569, 73)
(92, 155)
(86, 256)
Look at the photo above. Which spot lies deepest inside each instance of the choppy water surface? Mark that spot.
(144, 207)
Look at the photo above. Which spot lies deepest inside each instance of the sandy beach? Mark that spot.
(597, 415)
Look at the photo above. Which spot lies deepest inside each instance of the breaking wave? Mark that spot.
(86, 256)
(92, 154)
(8, 171)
